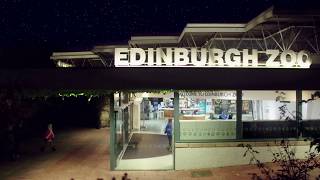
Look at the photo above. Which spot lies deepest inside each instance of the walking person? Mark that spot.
(168, 131)
(48, 139)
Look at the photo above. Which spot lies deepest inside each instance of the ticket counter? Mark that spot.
(168, 112)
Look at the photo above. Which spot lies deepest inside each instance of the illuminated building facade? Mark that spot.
(221, 84)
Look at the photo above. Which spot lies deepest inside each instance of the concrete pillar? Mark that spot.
(104, 115)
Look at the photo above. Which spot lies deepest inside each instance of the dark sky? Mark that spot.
(30, 30)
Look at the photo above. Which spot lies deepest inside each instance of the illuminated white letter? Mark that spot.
(288, 61)
(181, 56)
(150, 57)
(163, 58)
(304, 62)
(203, 57)
(193, 56)
(137, 61)
(273, 55)
(252, 57)
(215, 57)
(232, 57)
(121, 59)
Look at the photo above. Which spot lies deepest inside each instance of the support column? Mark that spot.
(299, 113)
(239, 115)
(176, 116)
(176, 128)
(137, 113)
(112, 144)
(104, 115)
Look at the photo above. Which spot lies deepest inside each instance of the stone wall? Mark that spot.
(104, 112)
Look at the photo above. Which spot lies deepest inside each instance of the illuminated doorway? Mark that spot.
(141, 141)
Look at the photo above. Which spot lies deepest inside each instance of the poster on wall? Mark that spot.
(224, 107)
(230, 95)
(245, 107)
(202, 106)
(209, 107)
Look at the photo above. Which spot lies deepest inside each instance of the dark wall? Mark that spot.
(71, 111)
(163, 78)
(36, 113)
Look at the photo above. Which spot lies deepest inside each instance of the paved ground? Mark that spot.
(83, 154)
(147, 146)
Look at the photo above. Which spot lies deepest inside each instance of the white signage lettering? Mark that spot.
(202, 57)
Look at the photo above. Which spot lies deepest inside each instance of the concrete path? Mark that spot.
(83, 154)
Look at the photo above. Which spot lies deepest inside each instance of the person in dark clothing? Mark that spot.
(168, 131)
(11, 141)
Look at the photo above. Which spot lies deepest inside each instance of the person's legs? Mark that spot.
(53, 148)
(170, 141)
(44, 146)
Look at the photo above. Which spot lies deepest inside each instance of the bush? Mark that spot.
(285, 165)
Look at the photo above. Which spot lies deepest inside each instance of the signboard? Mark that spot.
(203, 57)
(231, 95)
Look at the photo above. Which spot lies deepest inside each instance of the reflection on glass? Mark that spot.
(310, 113)
(268, 105)
(119, 124)
(310, 105)
(269, 114)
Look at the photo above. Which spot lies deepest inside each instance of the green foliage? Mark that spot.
(45, 93)
(65, 93)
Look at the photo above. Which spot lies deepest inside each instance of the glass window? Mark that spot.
(310, 105)
(123, 118)
(207, 115)
(269, 114)
(118, 118)
(310, 113)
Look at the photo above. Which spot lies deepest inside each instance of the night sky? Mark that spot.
(30, 30)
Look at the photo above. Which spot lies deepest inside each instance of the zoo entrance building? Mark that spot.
(221, 85)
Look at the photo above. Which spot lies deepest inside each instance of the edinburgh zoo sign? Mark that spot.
(203, 57)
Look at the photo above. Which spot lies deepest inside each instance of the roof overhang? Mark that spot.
(73, 55)
(146, 40)
(108, 48)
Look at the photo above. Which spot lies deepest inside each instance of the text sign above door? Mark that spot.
(203, 57)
